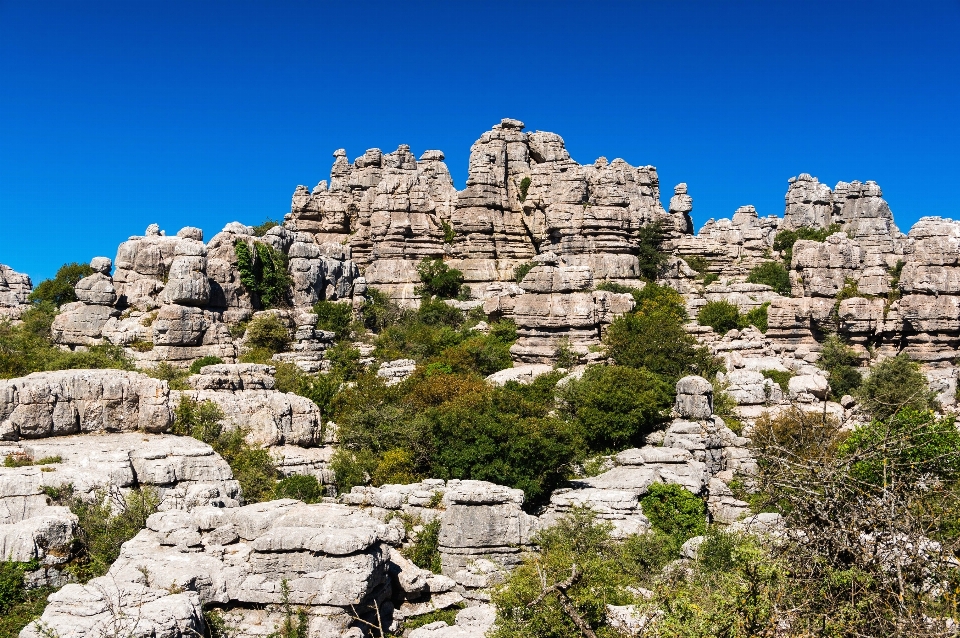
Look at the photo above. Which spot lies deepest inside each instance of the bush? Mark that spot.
(773, 274)
(252, 467)
(893, 385)
(424, 552)
(577, 549)
(756, 318)
(176, 378)
(301, 487)
(60, 289)
(261, 229)
(616, 407)
(524, 187)
(103, 525)
(650, 239)
(377, 311)
(208, 360)
(521, 271)
(263, 272)
(439, 280)
(268, 333)
(781, 378)
(653, 337)
(448, 233)
(841, 362)
(785, 239)
(19, 606)
(722, 316)
(26, 348)
(334, 317)
(675, 512)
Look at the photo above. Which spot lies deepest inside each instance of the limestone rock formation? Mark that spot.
(15, 288)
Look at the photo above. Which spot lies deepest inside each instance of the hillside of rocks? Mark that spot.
(549, 246)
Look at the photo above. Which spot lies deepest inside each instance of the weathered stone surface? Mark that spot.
(15, 288)
(97, 289)
(46, 404)
(694, 398)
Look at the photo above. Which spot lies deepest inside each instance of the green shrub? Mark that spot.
(261, 229)
(377, 312)
(301, 487)
(722, 316)
(176, 378)
(252, 467)
(19, 606)
(334, 317)
(208, 360)
(26, 348)
(263, 272)
(841, 362)
(521, 271)
(675, 511)
(612, 286)
(653, 337)
(650, 239)
(480, 354)
(267, 332)
(60, 289)
(448, 233)
(424, 552)
(756, 317)
(602, 578)
(785, 239)
(895, 384)
(439, 280)
(850, 290)
(698, 263)
(616, 407)
(781, 378)
(773, 274)
(524, 187)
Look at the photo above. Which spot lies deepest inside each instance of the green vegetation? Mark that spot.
(524, 187)
(773, 274)
(785, 239)
(617, 407)
(59, 290)
(652, 337)
(19, 606)
(22, 459)
(176, 378)
(252, 467)
(301, 487)
(848, 291)
(675, 512)
(261, 229)
(650, 238)
(781, 378)
(842, 362)
(27, 347)
(263, 272)
(895, 384)
(702, 266)
(265, 336)
(448, 233)
(724, 316)
(424, 552)
(521, 271)
(335, 317)
(208, 360)
(440, 281)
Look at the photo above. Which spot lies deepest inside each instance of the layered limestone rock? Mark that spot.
(45, 404)
(809, 204)
(561, 309)
(732, 246)
(391, 210)
(15, 289)
(329, 560)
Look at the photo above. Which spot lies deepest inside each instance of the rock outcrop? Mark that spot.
(15, 289)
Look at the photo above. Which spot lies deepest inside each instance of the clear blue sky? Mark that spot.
(117, 115)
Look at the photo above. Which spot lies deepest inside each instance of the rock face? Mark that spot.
(732, 246)
(329, 559)
(46, 404)
(560, 309)
(15, 288)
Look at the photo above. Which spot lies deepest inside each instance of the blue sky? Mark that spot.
(117, 115)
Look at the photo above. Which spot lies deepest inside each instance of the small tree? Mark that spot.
(60, 289)
(439, 280)
(650, 239)
(722, 316)
(773, 274)
(896, 383)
